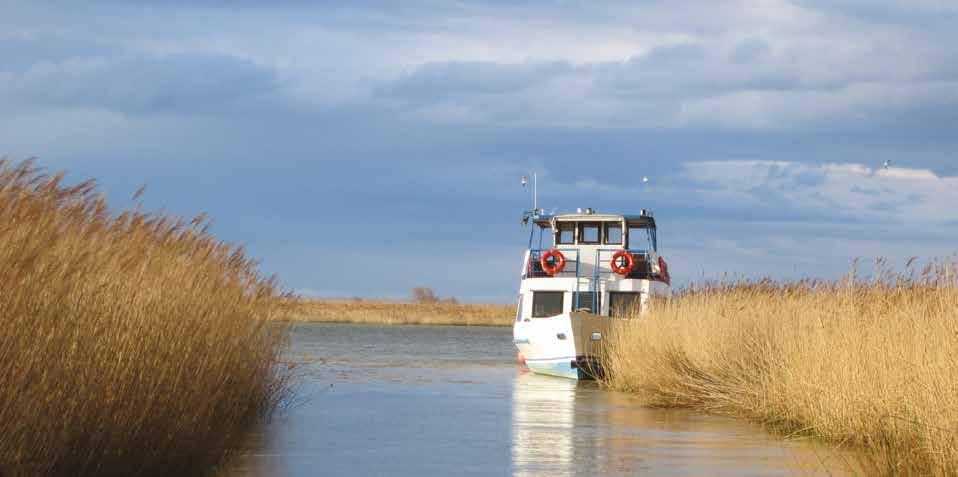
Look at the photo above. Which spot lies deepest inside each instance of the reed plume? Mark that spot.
(866, 364)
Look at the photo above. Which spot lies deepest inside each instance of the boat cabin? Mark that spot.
(603, 264)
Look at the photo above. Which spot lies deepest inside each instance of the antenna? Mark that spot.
(535, 191)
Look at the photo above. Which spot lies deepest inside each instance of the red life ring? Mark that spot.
(629, 262)
(552, 269)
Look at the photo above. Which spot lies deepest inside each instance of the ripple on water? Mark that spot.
(422, 400)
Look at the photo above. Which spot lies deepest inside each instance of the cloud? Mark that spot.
(747, 66)
(849, 192)
(760, 82)
(457, 79)
(335, 139)
(145, 84)
(782, 192)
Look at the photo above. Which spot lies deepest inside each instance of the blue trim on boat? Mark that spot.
(561, 367)
(552, 359)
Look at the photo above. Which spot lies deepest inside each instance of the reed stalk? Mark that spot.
(869, 365)
(133, 343)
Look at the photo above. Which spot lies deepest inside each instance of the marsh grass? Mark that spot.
(871, 366)
(397, 313)
(132, 343)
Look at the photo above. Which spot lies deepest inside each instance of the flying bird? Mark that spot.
(887, 163)
(645, 179)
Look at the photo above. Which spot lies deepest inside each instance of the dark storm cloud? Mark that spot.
(440, 81)
(920, 15)
(749, 51)
(684, 71)
(334, 140)
(19, 53)
(147, 84)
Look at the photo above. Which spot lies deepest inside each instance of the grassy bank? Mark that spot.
(392, 313)
(870, 366)
(132, 343)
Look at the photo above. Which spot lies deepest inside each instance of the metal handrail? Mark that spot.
(635, 252)
(534, 269)
(597, 271)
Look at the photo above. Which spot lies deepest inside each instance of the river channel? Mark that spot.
(424, 400)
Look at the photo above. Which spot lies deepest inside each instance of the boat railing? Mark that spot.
(570, 270)
(641, 265)
(641, 268)
(601, 267)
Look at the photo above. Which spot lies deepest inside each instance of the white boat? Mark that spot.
(581, 272)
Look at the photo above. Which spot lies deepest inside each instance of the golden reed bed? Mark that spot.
(868, 366)
(392, 313)
(132, 344)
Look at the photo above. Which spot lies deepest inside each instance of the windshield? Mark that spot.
(641, 237)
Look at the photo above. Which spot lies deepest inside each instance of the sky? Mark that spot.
(362, 149)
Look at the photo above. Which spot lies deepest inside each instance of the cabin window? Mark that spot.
(546, 303)
(638, 237)
(624, 304)
(589, 233)
(613, 233)
(589, 302)
(566, 234)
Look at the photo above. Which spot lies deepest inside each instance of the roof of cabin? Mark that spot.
(640, 220)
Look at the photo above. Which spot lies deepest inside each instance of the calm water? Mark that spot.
(417, 400)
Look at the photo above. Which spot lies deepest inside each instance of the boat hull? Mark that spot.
(559, 367)
(569, 345)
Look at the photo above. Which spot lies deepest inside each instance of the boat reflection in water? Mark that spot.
(421, 400)
(543, 419)
(566, 427)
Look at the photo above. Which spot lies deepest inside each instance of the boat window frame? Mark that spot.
(570, 227)
(647, 233)
(605, 233)
(596, 299)
(580, 226)
(537, 293)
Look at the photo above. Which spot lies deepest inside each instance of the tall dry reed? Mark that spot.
(132, 343)
(873, 366)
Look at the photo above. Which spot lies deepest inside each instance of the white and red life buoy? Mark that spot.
(628, 260)
(549, 267)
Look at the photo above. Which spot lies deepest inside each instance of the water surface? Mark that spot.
(423, 400)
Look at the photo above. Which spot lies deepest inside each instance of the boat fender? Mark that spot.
(549, 268)
(664, 272)
(521, 358)
(622, 269)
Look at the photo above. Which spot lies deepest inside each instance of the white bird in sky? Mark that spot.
(887, 163)
(645, 179)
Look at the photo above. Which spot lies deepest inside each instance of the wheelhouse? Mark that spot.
(580, 272)
(597, 263)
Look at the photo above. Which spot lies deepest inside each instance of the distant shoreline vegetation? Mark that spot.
(132, 343)
(869, 365)
(424, 309)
